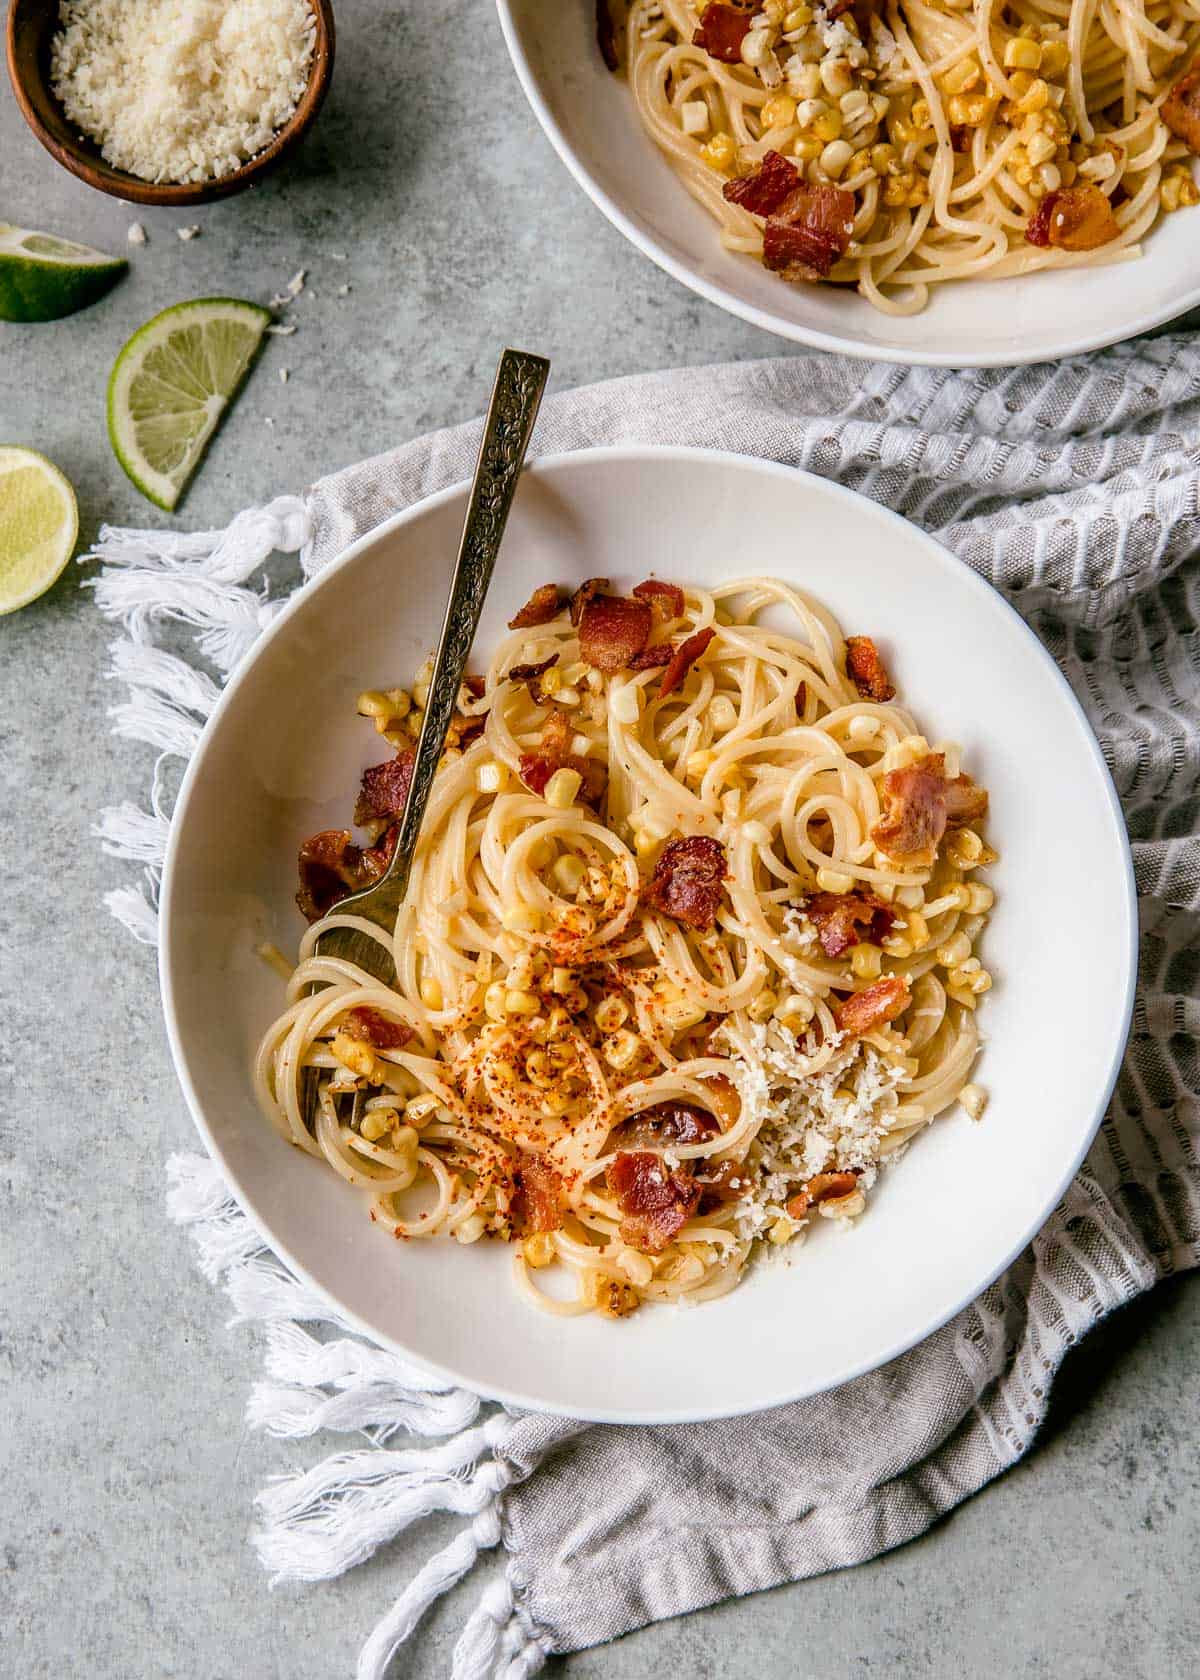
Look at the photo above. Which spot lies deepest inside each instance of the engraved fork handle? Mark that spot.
(516, 397)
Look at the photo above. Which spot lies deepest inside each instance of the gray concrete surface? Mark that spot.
(126, 1475)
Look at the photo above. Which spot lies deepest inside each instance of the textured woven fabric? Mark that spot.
(1074, 489)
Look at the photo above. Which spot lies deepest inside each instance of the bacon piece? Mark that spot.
(650, 658)
(809, 232)
(373, 1027)
(464, 730)
(688, 881)
(1073, 219)
(867, 671)
(683, 658)
(766, 189)
(722, 30)
(667, 1122)
(606, 35)
(667, 597)
(587, 589)
(331, 866)
(476, 687)
(537, 1196)
(384, 789)
(863, 1011)
(838, 917)
(1180, 110)
(919, 804)
(531, 676)
(613, 629)
(823, 1187)
(655, 1202)
(545, 603)
(536, 768)
(724, 1183)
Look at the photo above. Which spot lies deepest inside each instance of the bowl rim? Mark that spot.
(548, 466)
(93, 170)
(781, 326)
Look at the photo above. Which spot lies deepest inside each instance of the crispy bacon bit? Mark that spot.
(723, 1183)
(531, 676)
(545, 603)
(824, 1187)
(384, 788)
(464, 730)
(838, 917)
(1073, 219)
(650, 658)
(722, 30)
(587, 589)
(766, 189)
(613, 629)
(476, 687)
(606, 35)
(919, 804)
(331, 866)
(867, 671)
(666, 598)
(537, 1196)
(688, 881)
(656, 1203)
(667, 1122)
(863, 1011)
(809, 232)
(536, 768)
(683, 658)
(801, 698)
(375, 1028)
(1180, 110)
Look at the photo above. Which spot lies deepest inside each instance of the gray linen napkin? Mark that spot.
(1074, 489)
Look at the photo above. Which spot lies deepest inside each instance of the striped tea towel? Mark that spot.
(1073, 489)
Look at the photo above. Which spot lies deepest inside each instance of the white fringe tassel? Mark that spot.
(150, 578)
(322, 1521)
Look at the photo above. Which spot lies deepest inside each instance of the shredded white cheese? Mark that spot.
(181, 90)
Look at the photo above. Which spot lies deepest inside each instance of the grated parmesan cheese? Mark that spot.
(181, 90)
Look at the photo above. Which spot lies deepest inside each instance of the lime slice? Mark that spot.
(172, 383)
(43, 278)
(39, 523)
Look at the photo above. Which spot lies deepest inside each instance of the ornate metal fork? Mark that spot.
(516, 397)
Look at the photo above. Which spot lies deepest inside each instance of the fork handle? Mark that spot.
(516, 397)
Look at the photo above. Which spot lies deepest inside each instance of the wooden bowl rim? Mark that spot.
(89, 167)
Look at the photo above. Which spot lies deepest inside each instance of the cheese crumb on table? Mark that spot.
(136, 234)
(192, 232)
(181, 90)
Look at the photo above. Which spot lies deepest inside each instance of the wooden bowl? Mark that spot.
(32, 25)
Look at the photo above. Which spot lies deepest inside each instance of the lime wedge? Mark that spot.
(39, 523)
(172, 383)
(43, 278)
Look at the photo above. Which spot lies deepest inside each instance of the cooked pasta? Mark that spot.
(926, 140)
(688, 949)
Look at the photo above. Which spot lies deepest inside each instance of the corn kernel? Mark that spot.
(918, 930)
(722, 713)
(974, 1099)
(720, 153)
(804, 80)
(693, 114)
(795, 1008)
(354, 1055)
(979, 899)
(490, 777)
(756, 834)
(372, 703)
(610, 1298)
(1022, 54)
(779, 111)
(866, 961)
(782, 1231)
(964, 849)
(756, 48)
(797, 17)
(517, 1001)
(420, 1110)
(377, 1122)
(1035, 100)
(638, 1268)
(860, 163)
(919, 115)
(835, 157)
(562, 789)
(521, 918)
(471, 1229)
(538, 1250)
(963, 76)
(763, 1006)
(682, 1015)
(827, 126)
(834, 881)
(896, 945)
(954, 951)
(621, 1049)
(611, 1013)
(625, 703)
(807, 148)
(1056, 56)
(431, 992)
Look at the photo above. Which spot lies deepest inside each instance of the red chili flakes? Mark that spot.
(722, 30)
(874, 1007)
(683, 658)
(665, 598)
(384, 789)
(373, 1027)
(688, 881)
(824, 1187)
(766, 189)
(867, 671)
(613, 629)
(839, 917)
(655, 1202)
(545, 603)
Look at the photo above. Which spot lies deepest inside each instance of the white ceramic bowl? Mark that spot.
(589, 117)
(281, 757)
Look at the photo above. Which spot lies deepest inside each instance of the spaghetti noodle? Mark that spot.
(959, 138)
(687, 949)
